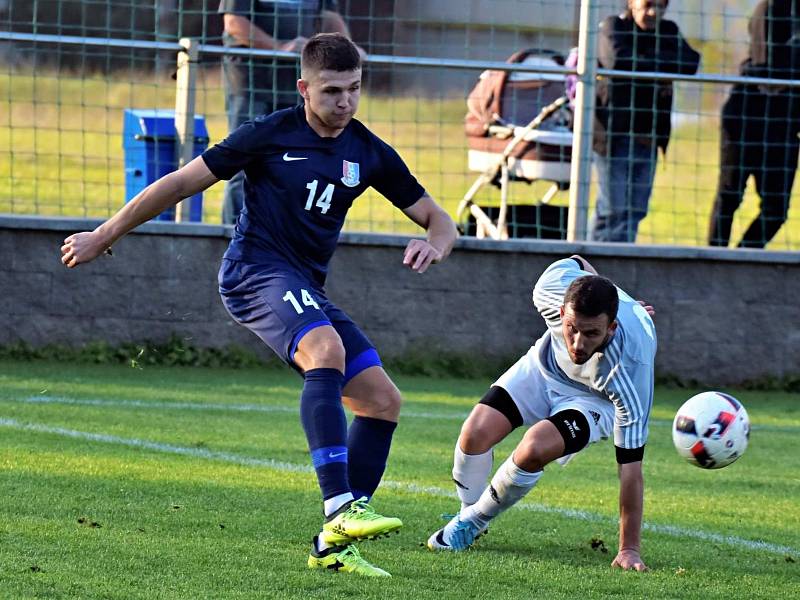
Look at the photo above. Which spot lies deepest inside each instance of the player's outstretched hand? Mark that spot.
(629, 559)
(650, 310)
(420, 254)
(82, 248)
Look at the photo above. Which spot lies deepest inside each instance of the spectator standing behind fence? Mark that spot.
(760, 125)
(632, 117)
(255, 86)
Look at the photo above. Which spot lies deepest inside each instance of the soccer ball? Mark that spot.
(711, 430)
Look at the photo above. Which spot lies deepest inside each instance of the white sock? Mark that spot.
(331, 505)
(471, 472)
(321, 543)
(508, 486)
(335, 503)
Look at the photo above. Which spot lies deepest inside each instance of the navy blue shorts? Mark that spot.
(280, 305)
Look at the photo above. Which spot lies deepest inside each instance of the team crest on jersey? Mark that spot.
(350, 173)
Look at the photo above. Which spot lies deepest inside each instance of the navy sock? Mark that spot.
(368, 442)
(325, 425)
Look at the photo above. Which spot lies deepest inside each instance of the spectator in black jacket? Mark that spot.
(632, 116)
(760, 125)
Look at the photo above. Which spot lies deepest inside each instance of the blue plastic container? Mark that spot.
(149, 140)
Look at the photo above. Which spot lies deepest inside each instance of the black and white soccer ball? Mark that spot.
(711, 430)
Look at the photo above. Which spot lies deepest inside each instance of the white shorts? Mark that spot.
(536, 400)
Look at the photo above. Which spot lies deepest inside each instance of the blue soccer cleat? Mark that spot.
(457, 535)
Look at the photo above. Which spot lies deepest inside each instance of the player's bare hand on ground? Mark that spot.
(650, 310)
(629, 559)
(82, 248)
(420, 254)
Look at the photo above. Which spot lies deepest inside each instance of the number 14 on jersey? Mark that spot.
(324, 200)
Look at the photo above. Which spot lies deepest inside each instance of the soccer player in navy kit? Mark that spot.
(304, 167)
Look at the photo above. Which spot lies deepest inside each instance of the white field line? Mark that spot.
(155, 404)
(157, 446)
(238, 459)
(258, 408)
(269, 408)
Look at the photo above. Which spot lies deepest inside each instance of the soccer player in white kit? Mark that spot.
(588, 376)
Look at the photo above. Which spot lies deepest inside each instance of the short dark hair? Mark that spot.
(592, 296)
(330, 52)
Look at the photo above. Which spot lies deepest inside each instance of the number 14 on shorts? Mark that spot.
(307, 299)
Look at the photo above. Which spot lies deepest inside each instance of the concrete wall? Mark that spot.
(722, 316)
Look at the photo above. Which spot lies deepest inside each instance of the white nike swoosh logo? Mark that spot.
(332, 455)
(288, 158)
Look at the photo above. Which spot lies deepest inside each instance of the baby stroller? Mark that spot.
(519, 129)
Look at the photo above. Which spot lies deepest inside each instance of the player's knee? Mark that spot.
(331, 353)
(378, 401)
(532, 456)
(394, 398)
(321, 349)
(565, 432)
(477, 436)
(386, 404)
(492, 419)
(573, 427)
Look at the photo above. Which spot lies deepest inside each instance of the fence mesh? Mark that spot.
(62, 109)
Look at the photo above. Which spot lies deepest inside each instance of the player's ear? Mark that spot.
(613, 326)
(561, 311)
(302, 88)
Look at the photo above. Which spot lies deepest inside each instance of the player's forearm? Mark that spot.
(150, 202)
(157, 197)
(631, 506)
(442, 233)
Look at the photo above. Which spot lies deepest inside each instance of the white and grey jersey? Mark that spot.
(621, 372)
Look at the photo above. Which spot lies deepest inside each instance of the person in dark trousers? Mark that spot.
(632, 116)
(256, 86)
(760, 126)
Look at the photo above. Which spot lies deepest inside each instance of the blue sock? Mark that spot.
(325, 425)
(368, 442)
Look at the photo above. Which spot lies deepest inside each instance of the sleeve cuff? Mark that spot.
(581, 266)
(629, 455)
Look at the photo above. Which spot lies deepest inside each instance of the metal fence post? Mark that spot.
(581, 169)
(184, 112)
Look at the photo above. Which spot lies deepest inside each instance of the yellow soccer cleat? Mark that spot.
(357, 521)
(344, 559)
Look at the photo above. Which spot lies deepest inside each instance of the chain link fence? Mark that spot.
(598, 167)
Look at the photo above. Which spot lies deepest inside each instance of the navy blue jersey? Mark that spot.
(299, 186)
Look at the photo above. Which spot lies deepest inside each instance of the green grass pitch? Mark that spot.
(150, 483)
